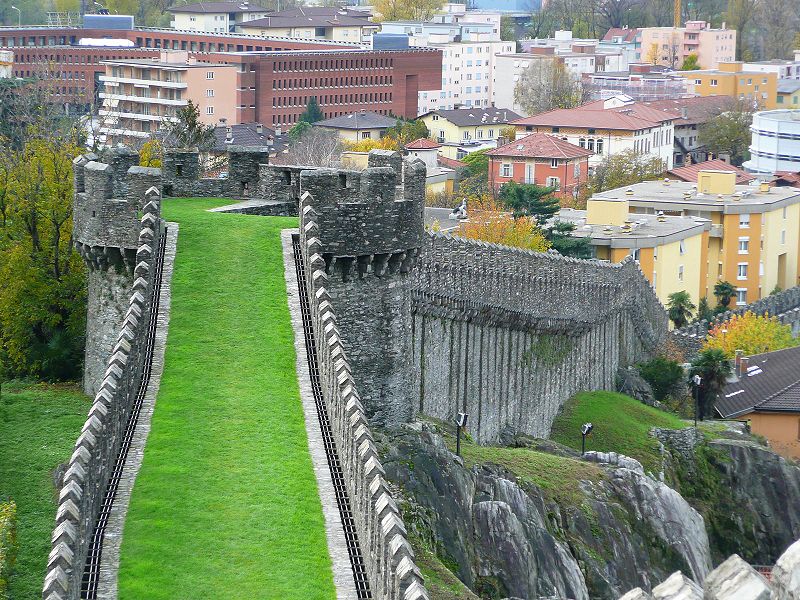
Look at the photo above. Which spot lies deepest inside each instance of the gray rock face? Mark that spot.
(734, 579)
(630, 382)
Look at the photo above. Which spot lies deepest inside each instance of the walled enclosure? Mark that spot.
(118, 231)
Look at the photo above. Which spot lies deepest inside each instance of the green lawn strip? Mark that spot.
(621, 424)
(226, 503)
(38, 428)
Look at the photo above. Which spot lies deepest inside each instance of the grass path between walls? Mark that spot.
(226, 504)
(39, 424)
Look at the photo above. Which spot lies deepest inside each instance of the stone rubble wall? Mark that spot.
(96, 449)
(734, 579)
(388, 556)
(784, 305)
(508, 335)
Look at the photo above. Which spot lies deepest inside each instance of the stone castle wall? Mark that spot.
(97, 448)
(784, 305)
(508, 335)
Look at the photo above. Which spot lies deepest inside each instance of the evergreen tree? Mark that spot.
(528, 200)
(559, 234)
(313, 113)
(713, 367)
(680, 308)
(724, 291)
(704, 311)
(189, 131)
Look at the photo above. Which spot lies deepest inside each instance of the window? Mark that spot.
(365, 135)
(554, 162)
(783, 236)
(554, 129)
(554, 182)
(635, 254)
(713, 83)
(435, 117)
(741, 271)
(744, 245)
(680, 272)
(209, 74)
(682, 247)
(744, 221)
(590, 145)
(784, 212)
(599, 147)
(582, 142)
(209, 110)
(505, 170)
(741, 296)
(209, 93)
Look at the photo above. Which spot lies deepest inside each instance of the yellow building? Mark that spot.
(788, 93)
(670, 250)
(730, 79)
(464, 130)
(754, 237)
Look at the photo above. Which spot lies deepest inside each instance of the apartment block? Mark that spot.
(313, 22)
(670, 46)
(215, 17)
(774, 143)
(731, 79)
(464, 130)
(641, 82)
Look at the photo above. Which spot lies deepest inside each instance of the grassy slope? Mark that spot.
(621, 424)
(38, 427)
(226, 503)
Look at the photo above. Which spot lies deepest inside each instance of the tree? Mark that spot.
(729, 132)
(407, 131)
(690, 63)
(680, 308)
(502, 229)
(738, 17)
(652, 54)
(315, 147)
(625, 168)
(750, 333)
(477, 162)
(704, 311)
(298, 129)
(507, 32)
(559, 234)
(528, 200)
(547, 84)
(714, 369)
(663, 375)
(42, 278)
(406, 10)
(150, 153)
(188, 131)
(724, 291)
(313, 112)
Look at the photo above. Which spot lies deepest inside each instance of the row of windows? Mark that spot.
(329, 82)
(77, 59)
(291, 119)
(332, 64)
(331, 99)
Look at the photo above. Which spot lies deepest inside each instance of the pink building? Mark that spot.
(670, 45)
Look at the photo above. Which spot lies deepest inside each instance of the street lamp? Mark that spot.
(697, 381)
(461, 421)
(19, 15)
(586, 429)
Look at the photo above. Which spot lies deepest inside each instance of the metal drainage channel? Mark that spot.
(91, 572)
(342, 499)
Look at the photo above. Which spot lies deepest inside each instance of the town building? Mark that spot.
(692, 113)
(607, 127)
(788, 93)
(214, 17)
(670, 250)
(783, 69)
(754, 236)
(469, 52)
(361, 125)
(641, 82)
(691, 171)
(140, 95)
(766, 394)
(509, 68)
(775, 142)
(580, 55)
(731, 79)
(464, 130)
(440, 177)
(540, 159)
(670, 46)
(626, 40)
(249, 135)
(313, 23)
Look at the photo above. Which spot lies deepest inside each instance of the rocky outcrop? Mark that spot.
(504, 537)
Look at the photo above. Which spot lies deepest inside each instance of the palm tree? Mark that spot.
(713, 367)
(680, 308)
(724, 291)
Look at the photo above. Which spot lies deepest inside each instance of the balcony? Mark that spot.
(127, 132)
(716, 231)
(142, 99)
(111, 80)
(137, 116)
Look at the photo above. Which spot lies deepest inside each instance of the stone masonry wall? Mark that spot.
(508, 335)
(784, 305)
(96, 449)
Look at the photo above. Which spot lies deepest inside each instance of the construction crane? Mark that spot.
(676, 14)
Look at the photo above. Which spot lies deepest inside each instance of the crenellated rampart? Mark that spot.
(104, 220)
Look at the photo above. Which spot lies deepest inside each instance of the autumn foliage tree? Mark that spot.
(501, 228)
(751, 333)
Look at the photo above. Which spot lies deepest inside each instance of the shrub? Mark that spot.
(8, 545)
(751, 333)
(663, 375)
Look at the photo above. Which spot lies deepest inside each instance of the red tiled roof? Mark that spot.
(422, 144)
(589, 118)
(689, 172)
(540, 145)
(625, 33)
(789, 177)
(450, 163)
(698, 109)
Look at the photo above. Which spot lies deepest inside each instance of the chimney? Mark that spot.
(737, 359)
(222, 121)
(277, 131)
(684, 112)
(228, 134)
(744, 362)
(259, 128)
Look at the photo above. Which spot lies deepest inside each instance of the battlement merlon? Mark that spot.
(378, 211)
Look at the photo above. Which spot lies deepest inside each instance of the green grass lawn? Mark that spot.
(38, 428)
(621, 424)
(226, 503)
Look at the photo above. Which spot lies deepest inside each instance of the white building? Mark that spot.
(215, 17)
(6, 64)
(581, 55)
(775, 142)
(784, 69)
(508, 69)
(468, 50)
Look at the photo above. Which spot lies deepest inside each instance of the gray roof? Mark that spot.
(358, 121)
(308, 20)
(466, 117)
(788, 86)
(246, 134)
(771, 384)
(217, 7)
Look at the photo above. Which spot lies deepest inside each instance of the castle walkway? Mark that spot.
(226, 503)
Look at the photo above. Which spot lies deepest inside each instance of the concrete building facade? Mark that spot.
(775, 142)
(670, 46)
(731, 79)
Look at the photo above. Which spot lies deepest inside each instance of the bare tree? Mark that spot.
(777, 22)
(547, 84)
(315, 147)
